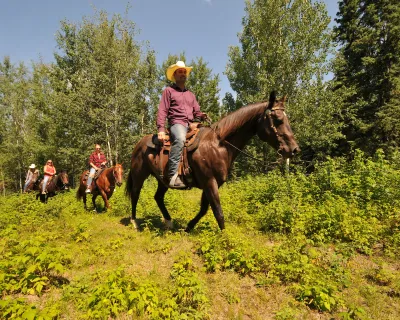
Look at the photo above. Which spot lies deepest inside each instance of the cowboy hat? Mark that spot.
(178, 65)
(32, 166)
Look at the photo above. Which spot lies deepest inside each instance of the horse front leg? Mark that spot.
(212, 194)
(159, 197)
(105, 198)
(205, 204)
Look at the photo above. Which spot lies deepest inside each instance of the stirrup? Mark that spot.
(173, 181)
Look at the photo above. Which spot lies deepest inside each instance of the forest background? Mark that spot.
(321, 242)
(104, 86)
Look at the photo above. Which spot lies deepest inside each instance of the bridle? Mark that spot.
(268, 114)
(115, 173)
(63, 180)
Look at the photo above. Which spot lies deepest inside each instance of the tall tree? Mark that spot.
(15, 130)
(369, 65)
(284, 47)
(102, 82)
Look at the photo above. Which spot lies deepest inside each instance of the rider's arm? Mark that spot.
(197, 114)
(103, 163)
(93, 166)
(163, 110)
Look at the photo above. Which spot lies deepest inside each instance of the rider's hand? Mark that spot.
(161, 136)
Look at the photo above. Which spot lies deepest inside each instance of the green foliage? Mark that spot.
(299, 237)
(321, 298)
(18, 309)
(120, 294)
(81, 233)
(31, 268)
(189, 291)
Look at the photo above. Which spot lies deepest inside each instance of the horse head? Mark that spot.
(118, 173)
(63, 180)
(274, 128)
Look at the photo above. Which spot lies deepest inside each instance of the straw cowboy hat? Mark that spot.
(32, 166)
(178, 65)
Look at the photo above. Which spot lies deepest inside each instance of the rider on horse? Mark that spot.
(31, 176)
(180, 107)
(49, 171)
(96, 160)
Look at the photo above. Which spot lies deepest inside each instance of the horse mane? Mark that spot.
(235, 120)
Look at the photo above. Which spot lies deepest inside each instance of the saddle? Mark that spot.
(96, 175)
(41, 181)
(191, 144)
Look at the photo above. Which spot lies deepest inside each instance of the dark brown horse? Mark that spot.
(33, 186)
(103, 185)
(59, 182)
(210, 162)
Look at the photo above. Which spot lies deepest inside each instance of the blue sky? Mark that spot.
(200, 28)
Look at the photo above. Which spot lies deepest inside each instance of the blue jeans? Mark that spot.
(91, 174)
(45, 179)
(27, 183)
(178, 138)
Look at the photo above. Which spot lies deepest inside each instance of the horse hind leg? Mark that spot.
(134, 186)
(94, 196)
(205, 204)
(84, 200)
(159, 197)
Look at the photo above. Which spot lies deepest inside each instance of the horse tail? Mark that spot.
(129, 183)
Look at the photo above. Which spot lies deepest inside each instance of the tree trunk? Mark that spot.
(108, 147)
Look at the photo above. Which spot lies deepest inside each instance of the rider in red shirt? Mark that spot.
(49, 171)
(96, 160)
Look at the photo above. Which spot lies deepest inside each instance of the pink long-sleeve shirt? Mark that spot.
(178, 106)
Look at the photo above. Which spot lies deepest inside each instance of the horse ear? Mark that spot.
(272, 98)
(284, 98)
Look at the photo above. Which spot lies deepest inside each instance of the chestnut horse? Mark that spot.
(219, 145)
(59, 182)
(103, 185)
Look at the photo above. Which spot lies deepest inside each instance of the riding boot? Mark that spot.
(176, 182)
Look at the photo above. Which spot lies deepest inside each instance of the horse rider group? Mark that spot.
(33, 173)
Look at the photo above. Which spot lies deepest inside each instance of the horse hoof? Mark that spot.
(135, 225)
(168, 224)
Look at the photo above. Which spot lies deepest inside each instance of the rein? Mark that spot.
(267, 113)
(243, 152)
